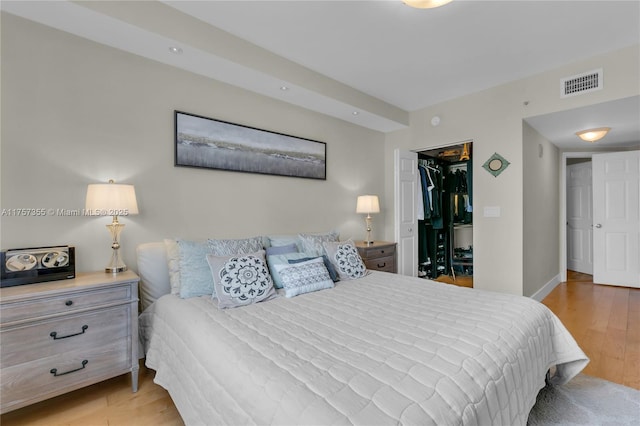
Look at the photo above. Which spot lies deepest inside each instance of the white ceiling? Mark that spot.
(379, 58)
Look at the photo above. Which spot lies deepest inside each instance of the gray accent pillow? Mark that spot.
(241, 280)
(312, 243)
(239, 246)
(346, 259)
(304, 277)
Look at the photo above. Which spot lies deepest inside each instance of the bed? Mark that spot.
(381, 349)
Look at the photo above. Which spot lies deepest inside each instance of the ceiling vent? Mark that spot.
(582, 83)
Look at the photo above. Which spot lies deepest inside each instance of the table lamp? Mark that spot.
(111, 199)
(368, 204)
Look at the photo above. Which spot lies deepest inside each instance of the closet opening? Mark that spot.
(445, 214)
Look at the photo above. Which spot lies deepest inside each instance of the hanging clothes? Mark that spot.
(419, 199)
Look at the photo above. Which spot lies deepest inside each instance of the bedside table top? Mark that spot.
(375, 244)
(82, 280)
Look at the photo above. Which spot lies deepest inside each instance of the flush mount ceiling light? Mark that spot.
(176, 50)
(425, 4)
(592, 135)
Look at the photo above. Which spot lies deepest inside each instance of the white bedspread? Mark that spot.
(385, 349)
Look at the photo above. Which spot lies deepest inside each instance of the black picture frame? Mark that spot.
(208, 143)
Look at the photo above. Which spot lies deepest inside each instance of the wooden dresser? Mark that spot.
(62, 335)
(378, 256)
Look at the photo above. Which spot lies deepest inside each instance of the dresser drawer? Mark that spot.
(387, 264)
(35, 379)
(81, 332)
(375, 252)
(66, 303)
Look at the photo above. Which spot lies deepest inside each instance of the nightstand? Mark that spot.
(62, 335)
(378, 256)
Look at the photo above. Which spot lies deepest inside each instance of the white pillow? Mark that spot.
(304, 277)
(173, 264)
(152, 268)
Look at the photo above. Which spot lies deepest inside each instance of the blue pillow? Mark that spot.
(327, 263)
(289, 248)
(195, 275)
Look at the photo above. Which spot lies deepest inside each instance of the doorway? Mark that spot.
(614, 222)
(579, 204)
(445, 218)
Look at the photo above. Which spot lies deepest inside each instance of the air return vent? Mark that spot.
(581, 83)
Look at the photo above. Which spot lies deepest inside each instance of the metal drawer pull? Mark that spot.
(55, 335)
(69, 302)
(54, 371)
(383, 265)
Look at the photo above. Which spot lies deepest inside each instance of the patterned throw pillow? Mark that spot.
(327, 263)
(345, 257)
(304, 277)
(281, 259)
(232, 247)
(241, 280)
(312, 243)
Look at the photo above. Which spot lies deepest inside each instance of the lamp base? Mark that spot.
(116, 264)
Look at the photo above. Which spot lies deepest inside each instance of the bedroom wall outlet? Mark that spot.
(492, 211)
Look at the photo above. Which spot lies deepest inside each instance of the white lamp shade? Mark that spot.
(592, 135)
(368, 204)
(110, 199)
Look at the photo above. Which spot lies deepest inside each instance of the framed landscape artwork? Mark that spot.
(214, 144)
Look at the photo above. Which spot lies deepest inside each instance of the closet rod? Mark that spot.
(454, 167)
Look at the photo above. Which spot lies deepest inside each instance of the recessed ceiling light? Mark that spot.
(592, 135)
(426, 4)
(175, 49)
(355, 113)
(284, 88)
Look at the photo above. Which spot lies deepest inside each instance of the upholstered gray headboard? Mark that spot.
(153, 272)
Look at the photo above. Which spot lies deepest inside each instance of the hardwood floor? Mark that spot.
(604, 320)
(107, 403)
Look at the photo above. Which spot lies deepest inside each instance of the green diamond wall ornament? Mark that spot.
(496, 164)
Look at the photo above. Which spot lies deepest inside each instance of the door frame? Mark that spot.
(563, 206)
(429, 148)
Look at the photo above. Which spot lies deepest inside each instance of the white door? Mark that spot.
(616, 232)
(579, 218)
(405, 207)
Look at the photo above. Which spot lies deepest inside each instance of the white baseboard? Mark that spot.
(546, 289)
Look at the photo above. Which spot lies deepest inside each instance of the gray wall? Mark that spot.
(76, 112)
(541, 260)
